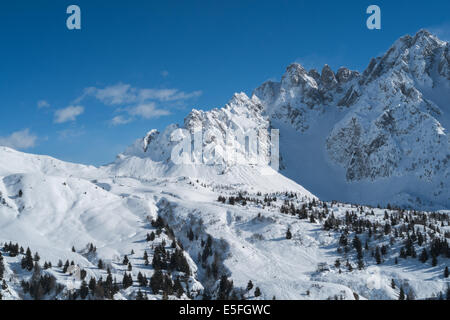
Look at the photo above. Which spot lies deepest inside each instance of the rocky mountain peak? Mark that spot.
(297, 76)
(328, 78)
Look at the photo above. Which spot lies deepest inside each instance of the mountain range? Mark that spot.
(363, 162)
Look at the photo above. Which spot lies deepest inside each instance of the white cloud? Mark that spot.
(137, 102)
(19, 140)
(118, 120)
(147, 111)
(112, 95)
(70, 133)
(68, 114)
(121, 94)
(166, 95)
(43, 104)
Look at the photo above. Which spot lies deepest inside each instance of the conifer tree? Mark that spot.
(157, 281)
(434, 260)
(139, 295)
(84, 290)
(423, 256)
(249, 285)
(27, 261)
(92, 285)
(66, 266)
(178, 288)
(378, 255)
(288, 234)
(401, 296)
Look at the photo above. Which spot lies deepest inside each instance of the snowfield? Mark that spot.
(53, 213)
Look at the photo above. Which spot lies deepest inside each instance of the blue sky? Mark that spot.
(84, 95)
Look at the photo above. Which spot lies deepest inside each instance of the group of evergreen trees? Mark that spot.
(12, 249)
(2, 267)
(100, 289)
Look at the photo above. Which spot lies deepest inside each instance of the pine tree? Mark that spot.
(130, 267)
(139, 295)
(249, 285)
(157, 281)
(378, 255)
(73, 249)
(257, 292)
(434, 260)
(392, 284)
(92, 285)
(446, 272)
(2, 267)
(66, 266)
(125, 260)
(360, 264)
(225, 288)
(127, 280)
(401, 296)
(100, 264)
(178, 288)
(27, 261)
(84, 290)
(288, 234)
(423, 256)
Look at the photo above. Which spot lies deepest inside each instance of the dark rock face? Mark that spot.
(345, 75)
(328, 79)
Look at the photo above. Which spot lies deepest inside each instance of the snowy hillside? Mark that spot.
(185, 237)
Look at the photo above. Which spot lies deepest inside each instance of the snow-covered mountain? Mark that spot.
(205, 227)
(376, 137)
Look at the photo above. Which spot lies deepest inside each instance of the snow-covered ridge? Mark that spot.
(386, 127)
